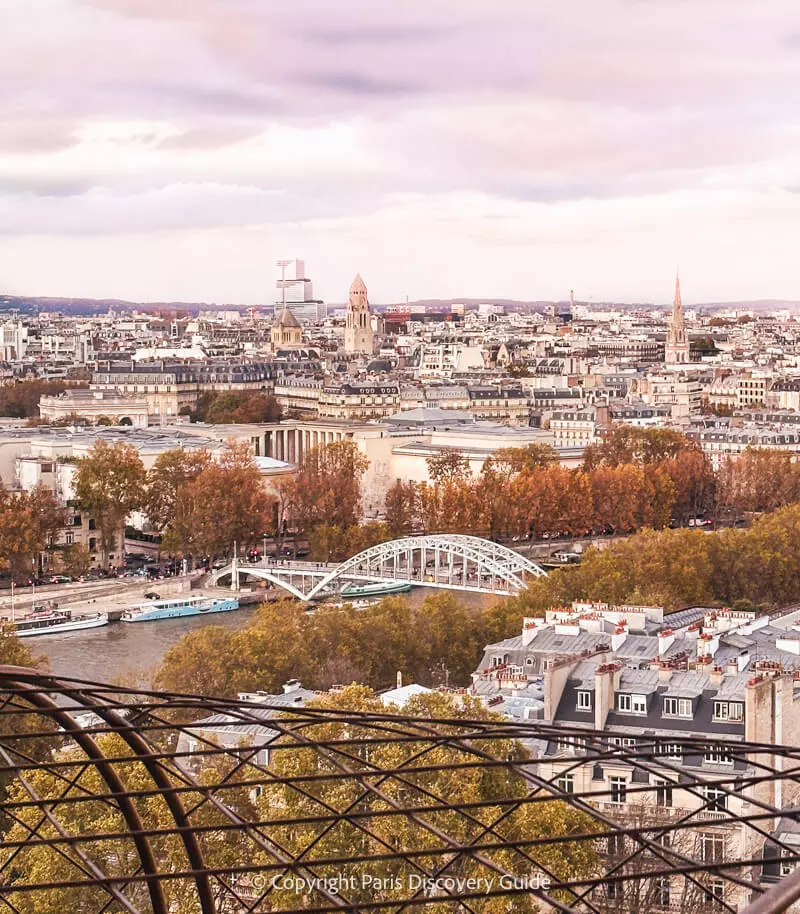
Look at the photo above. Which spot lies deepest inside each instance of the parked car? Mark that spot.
(152, 595)
(60, 579)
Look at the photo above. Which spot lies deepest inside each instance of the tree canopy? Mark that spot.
(110, 483)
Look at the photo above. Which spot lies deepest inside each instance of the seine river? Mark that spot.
(123, 651)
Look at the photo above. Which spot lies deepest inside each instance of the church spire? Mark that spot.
(677, 348)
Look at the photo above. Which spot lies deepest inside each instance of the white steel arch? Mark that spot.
(447, 561)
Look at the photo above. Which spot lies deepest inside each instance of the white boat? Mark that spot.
(55, 621)
(173, 609)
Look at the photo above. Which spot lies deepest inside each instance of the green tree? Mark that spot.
(110, 483)
(563, 860)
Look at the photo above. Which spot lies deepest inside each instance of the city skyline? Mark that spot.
(174, 151)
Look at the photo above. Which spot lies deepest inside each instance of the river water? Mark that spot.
(123, 651)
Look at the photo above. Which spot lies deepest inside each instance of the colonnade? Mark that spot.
(292, 444)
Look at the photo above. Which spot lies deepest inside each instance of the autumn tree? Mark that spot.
(401, 508)
(526, 459)
(110, 483)
(225, 503)
(631, 444)
(29, 523)
(449, 464)
(224, 407)
(170, 473)
(327, 487)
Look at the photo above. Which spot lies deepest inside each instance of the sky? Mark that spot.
(162, 150)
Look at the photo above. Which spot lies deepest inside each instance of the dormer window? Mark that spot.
(678, 707)
(732, 711)
(584, 700)
(632, 704)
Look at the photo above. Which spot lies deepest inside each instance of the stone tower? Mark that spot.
(358, 335)
(677, 348)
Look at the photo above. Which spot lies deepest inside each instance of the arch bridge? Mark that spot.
(445, 561)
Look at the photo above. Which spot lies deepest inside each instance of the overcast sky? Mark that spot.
(174, 149)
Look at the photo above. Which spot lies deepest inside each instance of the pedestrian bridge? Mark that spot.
(449, 562)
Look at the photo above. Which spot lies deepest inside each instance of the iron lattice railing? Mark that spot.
(153, 803)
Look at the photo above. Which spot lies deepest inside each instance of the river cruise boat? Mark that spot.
(376, 590)
(55, 621)
(173, 609)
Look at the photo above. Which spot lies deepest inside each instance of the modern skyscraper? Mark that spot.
(358, 336)
(296, 292)
(677, 348)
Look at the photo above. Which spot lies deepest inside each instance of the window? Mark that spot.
(729, 710)
(613, 890)
(717, 755)
(619, 789)
(678, 707)
(92, 544)
(584, 701)
(566, 783)
(633, 704)
(662, 892)
(715, 894)
(717, 798)
(616, 845)
(711, 847)
(69, 538)
(92, 524)
(787, 869)
(671, 750)
(663, 793)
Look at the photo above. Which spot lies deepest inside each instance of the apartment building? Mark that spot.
(664, 708)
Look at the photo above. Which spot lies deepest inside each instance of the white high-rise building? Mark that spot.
(296, 292)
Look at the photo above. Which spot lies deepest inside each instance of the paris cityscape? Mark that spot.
(399, 458)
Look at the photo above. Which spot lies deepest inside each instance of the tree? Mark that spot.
(224, 407)
(630, 444)
(327, 487)
(110, 483)
(225, 503)
(20, 400)
(171, 471)
(76, 559)
(449, 464)
(527, 459)
(29, 523)
(401, 508)
(563, 860)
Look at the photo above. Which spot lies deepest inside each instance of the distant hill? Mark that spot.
(86, 306)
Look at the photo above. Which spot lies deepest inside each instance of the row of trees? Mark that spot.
(202, 505)
(754, 568)
(20, 400)
(522, 491)
(434, 643)
(635, 478)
